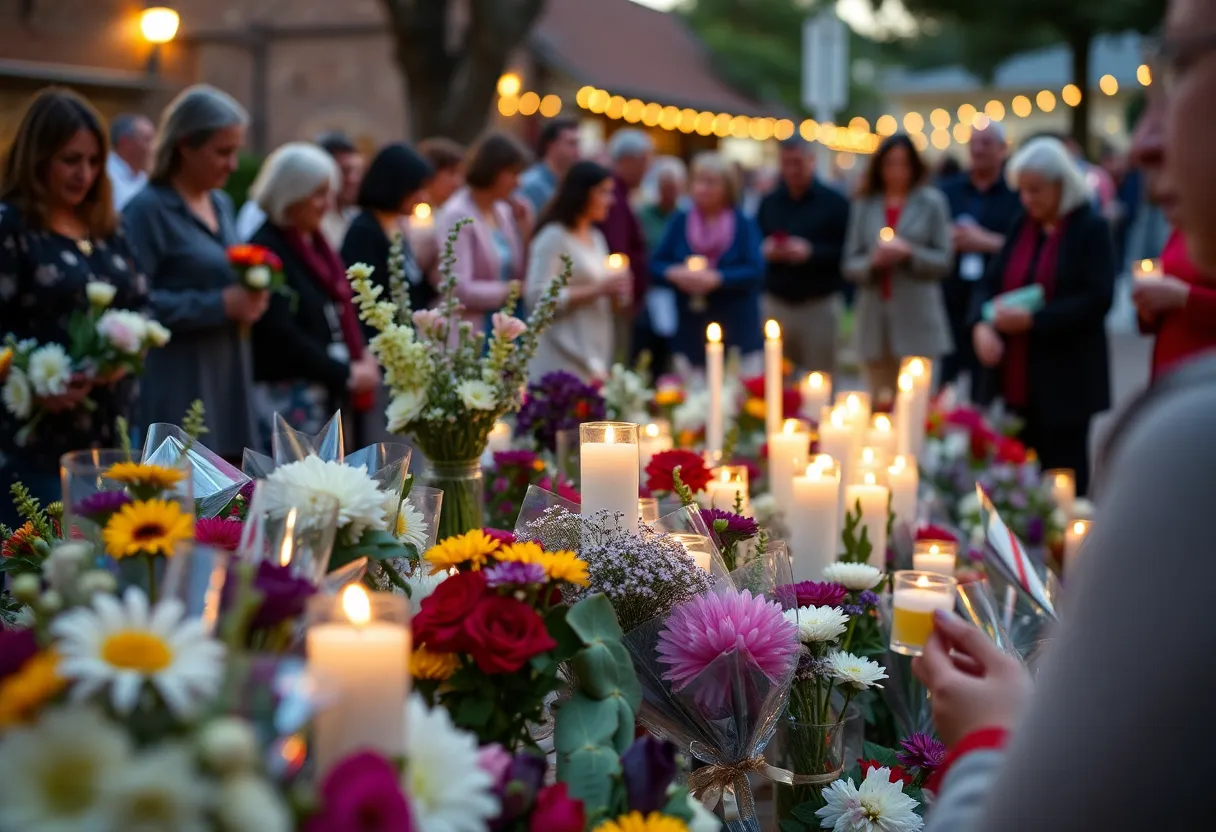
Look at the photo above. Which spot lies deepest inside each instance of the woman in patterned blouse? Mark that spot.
(59, 232)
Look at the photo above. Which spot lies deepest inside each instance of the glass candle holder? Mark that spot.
(654, 438)
(429, 503)
(609, 471)
(1074, 539)
(358, 646)
(728, 488)
(292, 527)
(915, 596)
(1063, 485)
(648, 509)
(937, 556)
(698, 546)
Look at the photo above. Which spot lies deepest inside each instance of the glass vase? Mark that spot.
(462, 486)
(814, 754)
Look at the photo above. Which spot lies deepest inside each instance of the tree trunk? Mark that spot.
(1081, 43)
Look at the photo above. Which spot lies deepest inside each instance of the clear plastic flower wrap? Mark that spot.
(215, 482)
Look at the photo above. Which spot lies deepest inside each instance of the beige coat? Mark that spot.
(913, 320)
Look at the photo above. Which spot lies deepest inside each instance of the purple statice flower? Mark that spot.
(817, 593)
(556, 402)
(866, 600)
(102, 504)
(514, 459)
(514, 573)
(1034, 530)
(923, 752)
(282, 595)
(729, 527)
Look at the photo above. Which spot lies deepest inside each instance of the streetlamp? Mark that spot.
(158, 25)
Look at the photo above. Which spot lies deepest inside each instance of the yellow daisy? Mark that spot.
(668, 396)
(147, 527)
(636, 822)
(136, 473)
(565, 566)
(527, 552)
(24, 692)
(469, 550)
(754, 408)
(435, 666)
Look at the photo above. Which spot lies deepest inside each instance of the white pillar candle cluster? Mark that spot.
(788, 450)
(919, 374)
(773, 375)
(816, 394)
(814, 522)
(904, 481)
(715, 432)
(874, 500)
(608, 463)
(728, 487)
(869, 461)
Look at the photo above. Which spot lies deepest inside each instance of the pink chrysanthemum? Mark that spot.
(712, 625)
(219, 533)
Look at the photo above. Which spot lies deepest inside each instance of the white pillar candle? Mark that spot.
(869, 461)
(816, 394)
(836, 440)
(499, 438)
(939, 556)
(903, 479)
(608, 469)
(881, 436)
(715, 432)
(358, 649)
(1074, 536)
(905, 416)
(698, 546)
(874, 499)
(728, 486)
(856, 406)
(921, 372)
(654, 439)
(772, 377)
(1063, 485)
(788, 450)
(813, 541)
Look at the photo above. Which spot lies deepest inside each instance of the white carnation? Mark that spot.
(100, 294)
(476, 395)
(818, 624)
(360, 501)
(126, 331)
(257, 277)
(18, 397)
(404, 408)
(50, 370)
(856, 672)
(854, 576)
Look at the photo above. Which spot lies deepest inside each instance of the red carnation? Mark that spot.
(440, 620)
(556, 811)
(898, 775)
(1010, 450)
(931, 532)
(693, 472)
(754, 386)
(502, 634)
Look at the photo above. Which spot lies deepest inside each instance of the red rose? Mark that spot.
(1010, 450)
(440, 621)
(791, 403)
(693, 472)
(501, 634)
(556, 811)
(754, 386)
(981, 443)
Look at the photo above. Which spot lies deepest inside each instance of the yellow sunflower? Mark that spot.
(636, 822)
(668, 396)
(469, 550)
(435, 666)
(24, 692)
(527, 552)
(565, 566)
(136, 473)
(147, 527)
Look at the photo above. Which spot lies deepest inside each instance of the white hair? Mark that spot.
(290, 174)
(668, 166)
(193, 117)
(629, 143)
(1049, 158)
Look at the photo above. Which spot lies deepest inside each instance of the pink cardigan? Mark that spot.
(478, 268)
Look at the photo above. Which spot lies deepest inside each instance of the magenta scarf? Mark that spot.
(326, 268)
(710, 238)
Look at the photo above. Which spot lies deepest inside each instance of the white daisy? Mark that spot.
(158, 335)
(411, 526)
(122, 644)
(404, 408)
(854, 576)
(159, 789)
(448, 791)
(17, 394)
(54, 770)
(818, 624)
(360, 501)
(476, 395)
(100, 294)
(856, 672)
(878, 806)
(50, 369)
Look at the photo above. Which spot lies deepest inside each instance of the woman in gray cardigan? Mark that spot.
(898, 251)
(181, 226)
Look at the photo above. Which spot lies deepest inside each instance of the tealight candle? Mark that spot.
(728, 488)
(422, 217)
(358, 647)
(937, 556)
(654, 439)
(1063, 485)
(609, 471)
(1074, 538)
(1147, 270)
(698, 546)
(915, 597)
(874, 500)
(773, 393)
(882, 435)
(788, 450)
(715, 432)
(816, 394)
(813, 522)
(904, 480)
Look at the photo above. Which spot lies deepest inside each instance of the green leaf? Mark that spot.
(880, 754)
(584, 722)
(604, 669)
(474, 713)
(375, 544)
(625, 727)
(589, 774)
(568, 642)
(677, 805)
(593, 619)
(788, 825)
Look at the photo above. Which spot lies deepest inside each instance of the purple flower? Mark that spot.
(524, 778)
(729, 527)
(282, 595)
(514, 459)
(816, 593)
(494, 760)
(16, 648)
(556, 402)
(648, 767)
(102, 504)
(1034, 531)
(499, 485)
(514, 573)
(923, 752)
(362, 791)
(868, 598)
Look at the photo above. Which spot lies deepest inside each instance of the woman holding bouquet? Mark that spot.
(59, 242)
(308, 350)
(1050, 366)
(181, 226)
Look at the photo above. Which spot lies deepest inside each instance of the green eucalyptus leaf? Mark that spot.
(589, 773)
(568, 641)
(594, 620)
(584, 723)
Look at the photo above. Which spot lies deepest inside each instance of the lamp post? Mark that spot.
(158, 25)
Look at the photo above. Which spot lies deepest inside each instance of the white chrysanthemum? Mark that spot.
(856, 672)
(854, 576)
(123, 644)
(448, 791)
(126, 331)
(405, 407)
(878, 806)
(55, 769)
(422, 584)
(818, 624)
(158, 335)
(476, 394)
(360, 501)
(100, 294)
(50, 369)
(159, 789)
(411, 527)
(18, 395)
(247, 803)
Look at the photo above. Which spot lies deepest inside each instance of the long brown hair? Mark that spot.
(52, 118)
(872, 185)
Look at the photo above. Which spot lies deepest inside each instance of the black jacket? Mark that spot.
(366, 242)
(291, 341)
(821, 217)
(1068, 365)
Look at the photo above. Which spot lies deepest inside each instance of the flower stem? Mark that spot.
(151, 563)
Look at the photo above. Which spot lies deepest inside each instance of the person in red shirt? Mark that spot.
(1180, 308)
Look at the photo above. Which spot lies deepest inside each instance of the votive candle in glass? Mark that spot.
(648, 509)
(698, 546)
(1063, 485)
(937, 556)
(1074, 538)
(609, 471)
(729, 486)
(915, 596)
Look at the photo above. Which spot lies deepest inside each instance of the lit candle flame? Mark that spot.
(652, 430)
(618, 262)
(867, 456)
(1078, 527)
(824, 461)
(814, 471)
(1146, 266)
(934, 549)
(916, 366)
(871, 479)
(357, 605)
(713, 333)
(898, 464)
(772, 330)
(609, 435)
(882, 423)
(887, 234)
(905, 383)
(815, 380)
(838, 418)
(853, 403)
(790, 426)
(922, 582)
(696, 263)
(1061, 480)
(422, 211)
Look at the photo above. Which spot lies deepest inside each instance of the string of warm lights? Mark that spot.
(856, 137)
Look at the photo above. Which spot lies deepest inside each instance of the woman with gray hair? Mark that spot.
(1047, 359)
(308, 349)
(181, 226)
